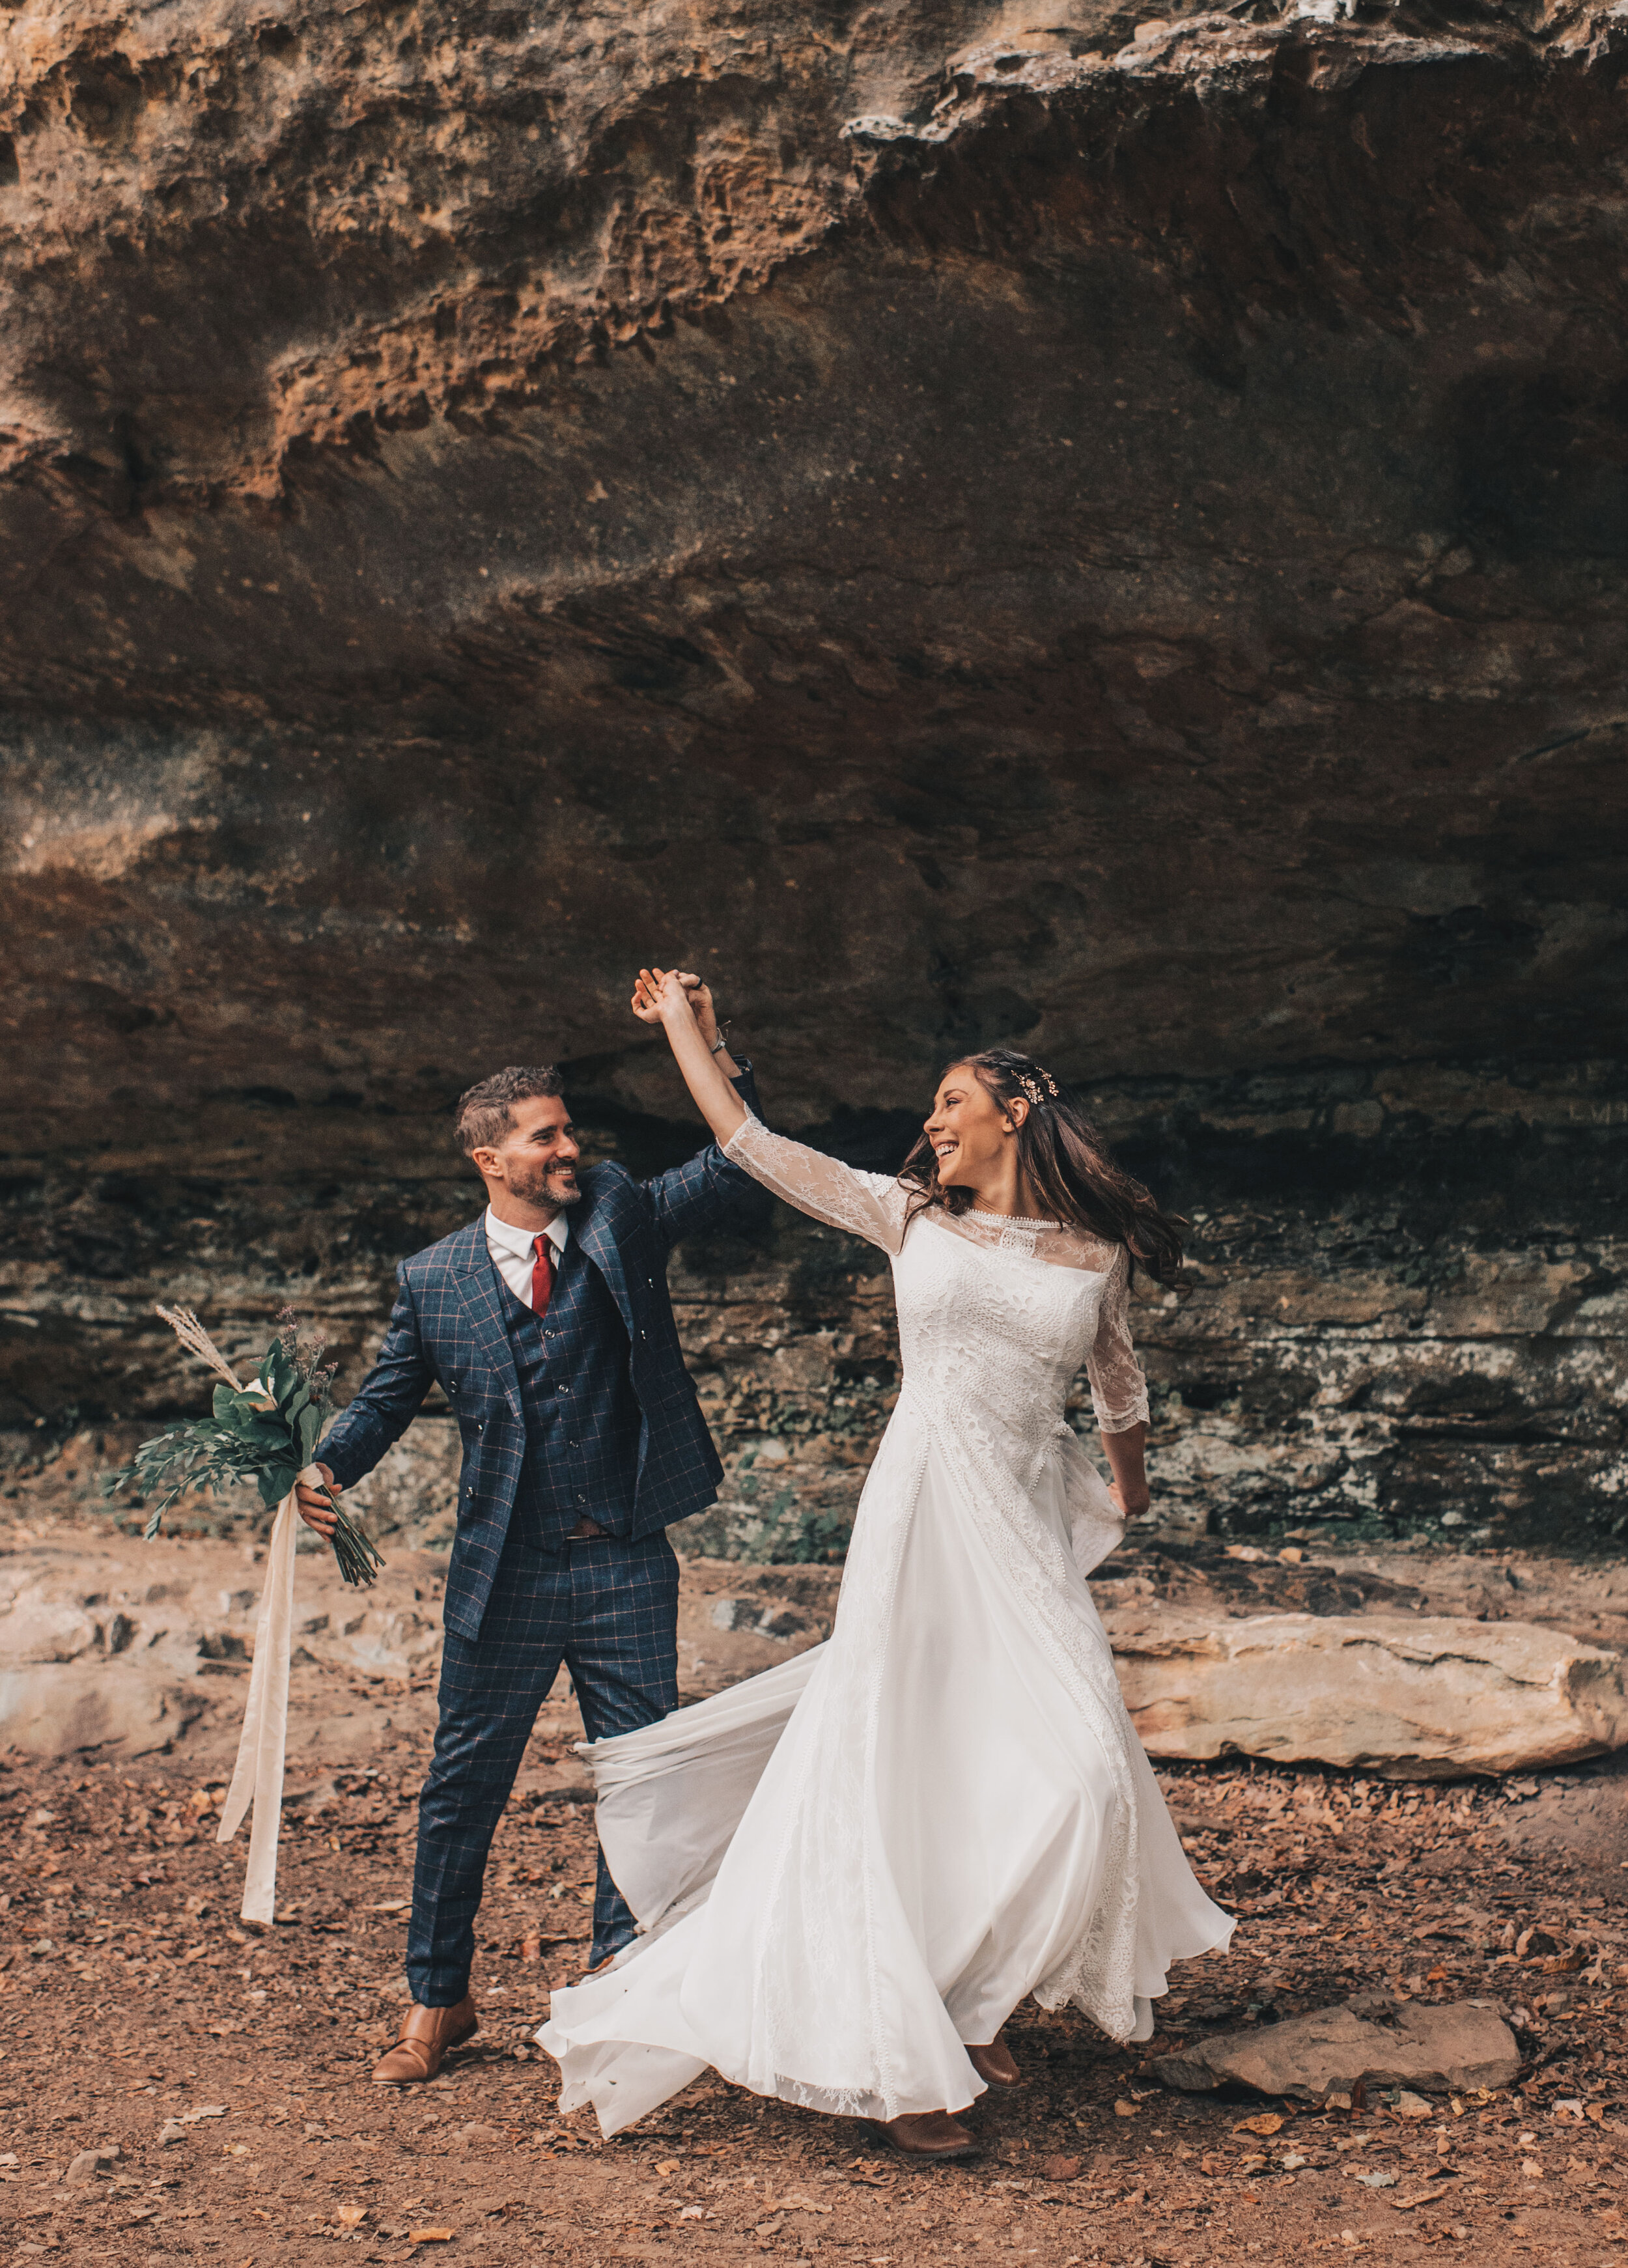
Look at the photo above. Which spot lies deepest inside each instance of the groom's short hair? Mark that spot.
(483, 1116)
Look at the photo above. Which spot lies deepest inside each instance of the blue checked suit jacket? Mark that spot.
(448, 1328)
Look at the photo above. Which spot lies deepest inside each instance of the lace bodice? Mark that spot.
(945, 1323)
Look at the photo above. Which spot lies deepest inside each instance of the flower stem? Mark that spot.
(359, 1557)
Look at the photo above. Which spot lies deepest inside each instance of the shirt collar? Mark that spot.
(522, 1241)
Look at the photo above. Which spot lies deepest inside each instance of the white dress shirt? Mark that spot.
(514, 1250)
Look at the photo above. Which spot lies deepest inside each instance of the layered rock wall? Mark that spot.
(1407, 1315)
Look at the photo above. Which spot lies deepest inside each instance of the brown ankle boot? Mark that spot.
(933, 2135)
(995, 2063)
(425, 2038)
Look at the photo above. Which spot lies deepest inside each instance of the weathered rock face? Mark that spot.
(1110, 535)
(1407, 1696)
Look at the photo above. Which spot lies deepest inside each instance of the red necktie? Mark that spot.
(542, 1276)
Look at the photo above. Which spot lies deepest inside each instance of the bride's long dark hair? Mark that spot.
(1067, 1164)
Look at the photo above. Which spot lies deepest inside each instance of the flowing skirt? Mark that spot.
(849, 1867)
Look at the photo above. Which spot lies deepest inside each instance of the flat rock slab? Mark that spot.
(110, 1643)
(1402, 1696)
(1436, 2050)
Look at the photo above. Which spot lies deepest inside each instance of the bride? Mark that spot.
(848, 1870)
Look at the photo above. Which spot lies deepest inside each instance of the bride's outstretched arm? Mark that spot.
(714, 1097)
(871, 1205)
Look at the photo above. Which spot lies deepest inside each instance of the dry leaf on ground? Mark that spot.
(1268, 2122)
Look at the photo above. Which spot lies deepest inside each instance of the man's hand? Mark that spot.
(700, 1001)
(646, 1002)
(315, 1508)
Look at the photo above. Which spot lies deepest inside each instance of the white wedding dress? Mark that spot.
(848, 1866)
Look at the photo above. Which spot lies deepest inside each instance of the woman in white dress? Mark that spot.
(849, 1870)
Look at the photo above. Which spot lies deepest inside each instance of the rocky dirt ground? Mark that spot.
(176, 2087)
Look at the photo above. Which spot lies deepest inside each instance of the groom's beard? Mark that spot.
(545, 1185)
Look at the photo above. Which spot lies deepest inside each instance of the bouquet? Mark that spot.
(265, 1433)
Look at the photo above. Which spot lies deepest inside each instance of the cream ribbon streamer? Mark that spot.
(263, 1744)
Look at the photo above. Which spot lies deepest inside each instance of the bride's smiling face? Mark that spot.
(970, 1132)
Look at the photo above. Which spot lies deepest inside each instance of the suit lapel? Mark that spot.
(593, 1231)
(480, 1293)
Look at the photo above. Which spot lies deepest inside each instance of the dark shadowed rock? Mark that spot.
(1405, 2044)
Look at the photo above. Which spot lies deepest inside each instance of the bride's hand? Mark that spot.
(657, 989)
(1133, 1507)
(645, 1003)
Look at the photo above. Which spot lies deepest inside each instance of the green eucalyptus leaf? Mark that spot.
(261, 1429)
(275, 1482)
(279, 1374)
(310, 1428)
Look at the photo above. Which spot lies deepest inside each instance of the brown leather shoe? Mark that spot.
(932, 2135)
(995, 2063)
(425, 2038)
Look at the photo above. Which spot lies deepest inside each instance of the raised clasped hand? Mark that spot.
(656, 989)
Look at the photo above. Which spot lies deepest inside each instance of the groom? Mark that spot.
(548, 1324)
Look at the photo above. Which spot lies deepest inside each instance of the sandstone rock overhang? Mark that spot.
(1114, 533)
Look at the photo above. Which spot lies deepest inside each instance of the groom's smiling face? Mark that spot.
(536, 1160)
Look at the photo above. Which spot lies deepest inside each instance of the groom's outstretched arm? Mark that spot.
(388, 1400)
(708, 1191)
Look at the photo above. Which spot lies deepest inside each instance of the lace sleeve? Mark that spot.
(871, 1205)
(1119, 1389)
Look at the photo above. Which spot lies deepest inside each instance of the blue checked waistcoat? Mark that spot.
(451, 1326)
(582, 1416)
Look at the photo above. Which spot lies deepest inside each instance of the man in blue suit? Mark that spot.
(549, 1325)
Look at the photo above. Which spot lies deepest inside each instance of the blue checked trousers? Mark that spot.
(609, 1611)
